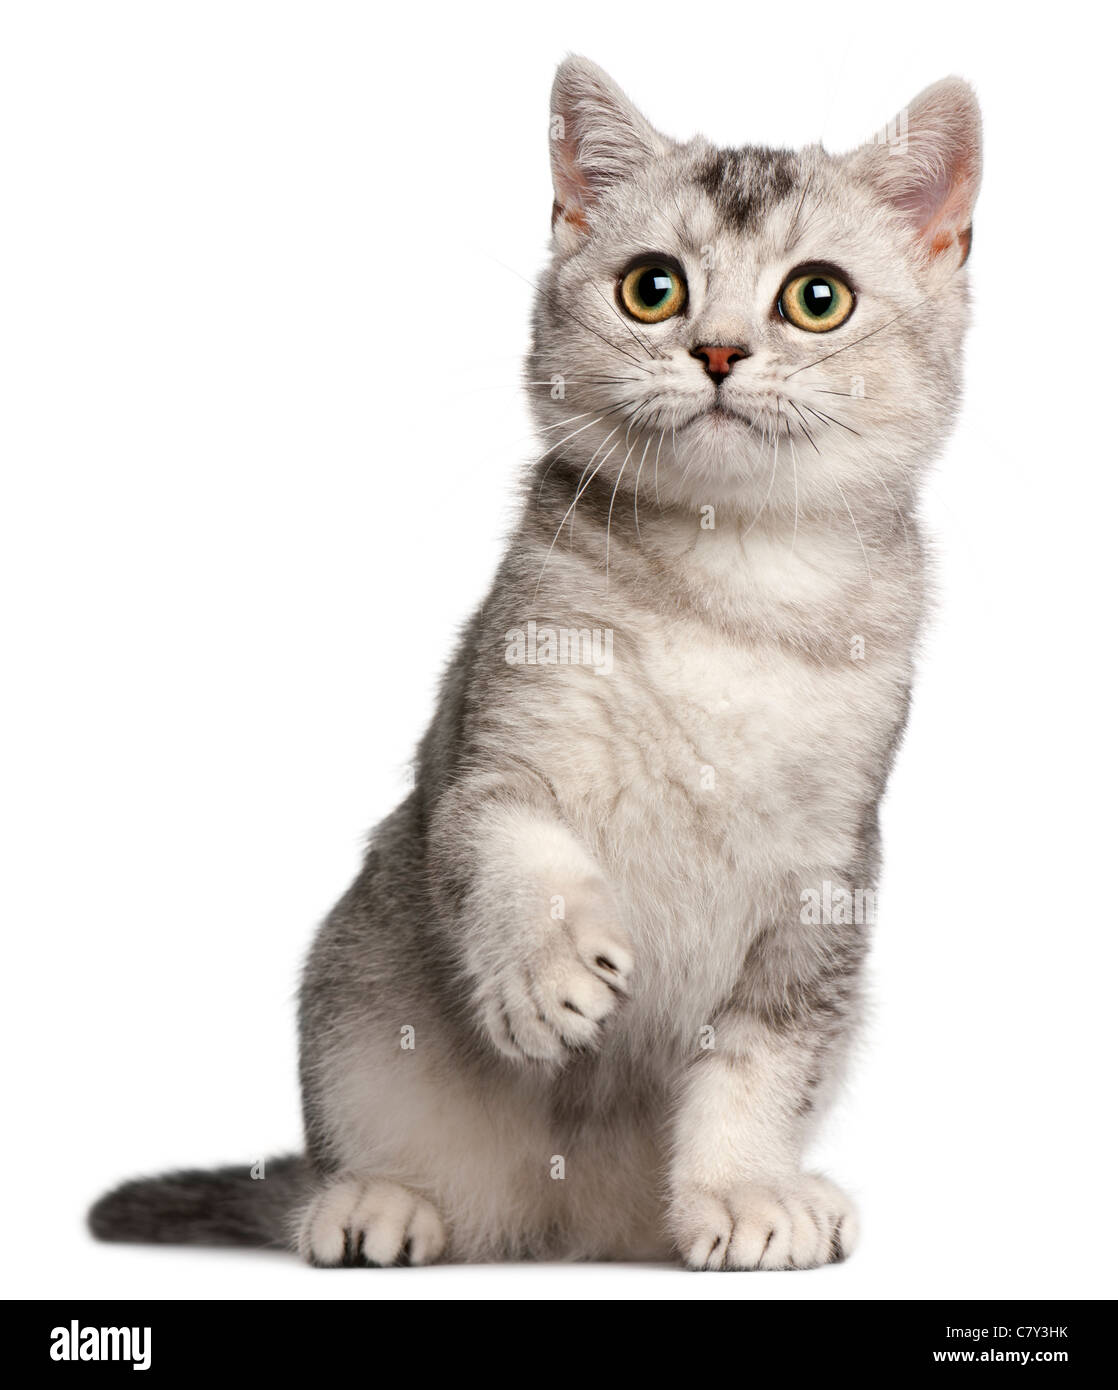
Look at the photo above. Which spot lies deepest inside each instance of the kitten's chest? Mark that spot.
(758, 727)
(717, 776)
(732, 747)
(705, 775)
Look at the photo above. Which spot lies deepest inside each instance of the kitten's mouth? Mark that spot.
(722, 416)
(719, 412)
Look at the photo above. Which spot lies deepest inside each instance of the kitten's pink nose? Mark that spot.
(719, 361)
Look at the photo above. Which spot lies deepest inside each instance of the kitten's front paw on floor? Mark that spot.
(358, 1221)
(558, 998)
(787, 1225)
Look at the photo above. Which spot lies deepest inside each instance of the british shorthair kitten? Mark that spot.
(598, 974)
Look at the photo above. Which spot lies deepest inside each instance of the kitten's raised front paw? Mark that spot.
(784, 1225)
(358, 1221)
(558, 997)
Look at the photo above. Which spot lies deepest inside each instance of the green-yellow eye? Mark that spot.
(652, 293)
(816, 302)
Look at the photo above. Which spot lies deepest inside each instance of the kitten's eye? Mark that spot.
(816, 302)
(653, 293)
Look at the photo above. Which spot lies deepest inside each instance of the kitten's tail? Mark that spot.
(243, 1205)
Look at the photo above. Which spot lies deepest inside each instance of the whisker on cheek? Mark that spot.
(637, 488)
(570, 510)
(554, 448)
(803, 425)
(795, 485)
(637, 337)
(824, 416)
(562, 309)
(612, 499)
(847, 346)
(861, 545)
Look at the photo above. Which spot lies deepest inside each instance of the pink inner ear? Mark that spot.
(940, 207)
(573, 193)
(947, 220)
(924, 203)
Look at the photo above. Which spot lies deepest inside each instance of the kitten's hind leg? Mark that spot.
(369, 1221)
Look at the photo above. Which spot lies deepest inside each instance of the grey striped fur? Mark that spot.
(574, 1005)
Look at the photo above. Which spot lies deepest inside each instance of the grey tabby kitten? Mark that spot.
(598, 974)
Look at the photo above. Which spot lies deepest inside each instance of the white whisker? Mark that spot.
(609, 514)
(566, 514)
(850, 514)
(554, 447)
(795, 486)
(637, 488)
(772, 481)
(578, 490)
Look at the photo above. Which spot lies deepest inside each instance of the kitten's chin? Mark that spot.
(720, 428)
(721, 417)
(722, 455)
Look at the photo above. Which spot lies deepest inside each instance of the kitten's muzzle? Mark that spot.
(719, 361)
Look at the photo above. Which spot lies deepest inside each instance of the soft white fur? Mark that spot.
(678, 806)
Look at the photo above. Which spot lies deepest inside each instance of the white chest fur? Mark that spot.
(708, 772)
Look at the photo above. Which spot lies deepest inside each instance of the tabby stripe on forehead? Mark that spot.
(746, 184)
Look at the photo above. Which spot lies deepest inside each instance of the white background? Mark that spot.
(261, 324)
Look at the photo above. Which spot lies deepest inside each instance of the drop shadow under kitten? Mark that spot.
(597, 977)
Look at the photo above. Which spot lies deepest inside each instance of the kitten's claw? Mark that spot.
(559, 997)
(358, 1222)
(788, 1225)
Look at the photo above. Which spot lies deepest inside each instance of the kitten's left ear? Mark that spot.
(927, 166)
(598, 137)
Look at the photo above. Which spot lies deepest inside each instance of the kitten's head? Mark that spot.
(763, 328)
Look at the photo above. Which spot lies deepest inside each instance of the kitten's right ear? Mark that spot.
(597, 138)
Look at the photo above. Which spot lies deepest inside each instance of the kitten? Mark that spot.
(597, 977)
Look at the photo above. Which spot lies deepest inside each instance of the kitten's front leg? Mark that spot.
(536, 928)
(739, 1198)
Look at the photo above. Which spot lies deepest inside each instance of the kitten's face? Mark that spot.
(832, 336)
